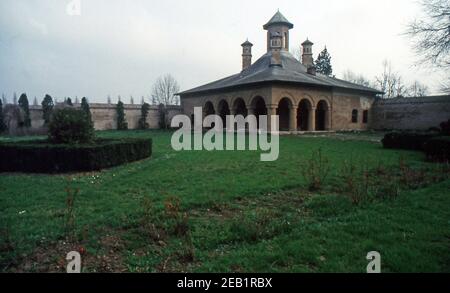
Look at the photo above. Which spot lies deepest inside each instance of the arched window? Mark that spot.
(366, 117)
(355, 116)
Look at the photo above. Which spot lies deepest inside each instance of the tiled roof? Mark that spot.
(291, 70)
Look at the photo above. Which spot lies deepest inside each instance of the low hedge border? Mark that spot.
(44, 157)
(438, 149)
(406, 140)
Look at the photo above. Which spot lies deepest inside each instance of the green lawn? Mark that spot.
(235, 213)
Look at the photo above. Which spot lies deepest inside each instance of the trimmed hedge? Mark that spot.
(438, 149)
(406, 140)
(44, 157)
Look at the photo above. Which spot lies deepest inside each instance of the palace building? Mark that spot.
(279, 84)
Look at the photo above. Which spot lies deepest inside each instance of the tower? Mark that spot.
(276, 45)
(307, 55)
(246, 54)
(278, 24)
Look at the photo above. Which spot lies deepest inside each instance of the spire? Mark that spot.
(278, 18)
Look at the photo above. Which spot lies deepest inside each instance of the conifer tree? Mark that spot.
(323, 63)
(25, 106)
(121, 122)
(3, 126)
(86, 109)
(47, 108)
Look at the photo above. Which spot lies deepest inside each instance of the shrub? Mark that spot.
(44, 157)
(121, 122)
(144, 113)
(356, 181)
(405, 140)
(162, 116)
(86, 109)
(3, 126)
(24, 105)
(445, 127)
(47, 108)
(69, 125)
(316, 170)
(438, 149)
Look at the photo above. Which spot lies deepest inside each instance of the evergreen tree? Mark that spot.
(15, 99)
(162, 116)
(121, 122)
(86, 109)
(47, 108)
(3, 126)
(4, 99)
(144, 114)
(23, 103)
(323, 63)
(69, 101)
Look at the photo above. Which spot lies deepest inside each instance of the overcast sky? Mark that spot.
(119, 47)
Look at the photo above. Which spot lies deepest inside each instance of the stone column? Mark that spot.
(312, 119)
(293, 118)
(271, 111)
(328, 119)
(250, 111)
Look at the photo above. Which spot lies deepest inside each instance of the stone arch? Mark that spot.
(223, 110)
(322, 115)
(208, 109)
(258, 104)
(286, 95)
(283, 111)
(304, 114)
(239, 107)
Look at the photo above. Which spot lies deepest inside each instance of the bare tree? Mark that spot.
(387, 81)
(356, 78)
(165, 90)
(401, 89)
(418, 90)
(445, 85)
(431, 35)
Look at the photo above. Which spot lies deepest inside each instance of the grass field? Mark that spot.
(229, 212)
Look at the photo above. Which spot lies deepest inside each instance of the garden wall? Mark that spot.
(105, 117)
(410, 113)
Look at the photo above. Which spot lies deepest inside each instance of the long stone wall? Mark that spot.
(410, 113)
(105, 116)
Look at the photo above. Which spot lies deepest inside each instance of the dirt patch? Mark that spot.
(52, 258)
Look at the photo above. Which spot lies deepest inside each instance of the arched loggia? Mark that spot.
(240, 108)
(223, 111)
(208, 109)
(259, 106)
(303, 113)
(283, 111)
(322, 113)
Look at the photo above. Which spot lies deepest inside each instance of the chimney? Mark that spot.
(311, 69)
(307, 56)
(246, 55)
(275, 48)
